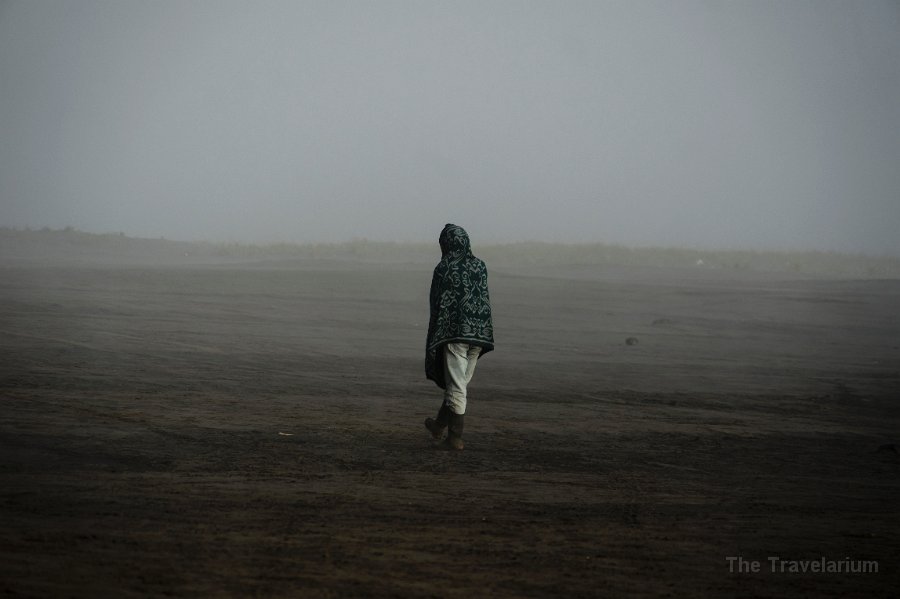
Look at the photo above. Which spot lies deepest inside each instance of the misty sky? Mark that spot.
(744, 124)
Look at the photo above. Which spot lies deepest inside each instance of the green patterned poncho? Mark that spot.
(460, 303)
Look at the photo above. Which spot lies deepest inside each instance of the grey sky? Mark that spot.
(747, 124)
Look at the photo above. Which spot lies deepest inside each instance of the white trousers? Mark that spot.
(459, 366)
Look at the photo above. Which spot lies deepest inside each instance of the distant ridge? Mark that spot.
(70, 245)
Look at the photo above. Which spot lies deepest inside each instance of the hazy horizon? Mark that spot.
(740, 125)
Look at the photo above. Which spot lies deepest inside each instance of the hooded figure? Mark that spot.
(459, 329)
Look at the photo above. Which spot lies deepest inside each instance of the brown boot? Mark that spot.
(437, 424)
(454, 433)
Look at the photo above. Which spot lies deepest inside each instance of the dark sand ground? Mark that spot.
(235, 430)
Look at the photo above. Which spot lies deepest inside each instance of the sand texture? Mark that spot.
(253, 430)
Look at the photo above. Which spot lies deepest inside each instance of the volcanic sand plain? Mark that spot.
(225, 430)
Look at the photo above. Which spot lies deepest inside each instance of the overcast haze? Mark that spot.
(703, 124)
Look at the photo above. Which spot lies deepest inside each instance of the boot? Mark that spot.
(437, 424)
(454, 433)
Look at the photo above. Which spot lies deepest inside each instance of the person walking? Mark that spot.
(460, 330)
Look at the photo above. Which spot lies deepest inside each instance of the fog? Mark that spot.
(747, 125)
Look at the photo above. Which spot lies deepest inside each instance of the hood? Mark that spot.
(454, 241)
